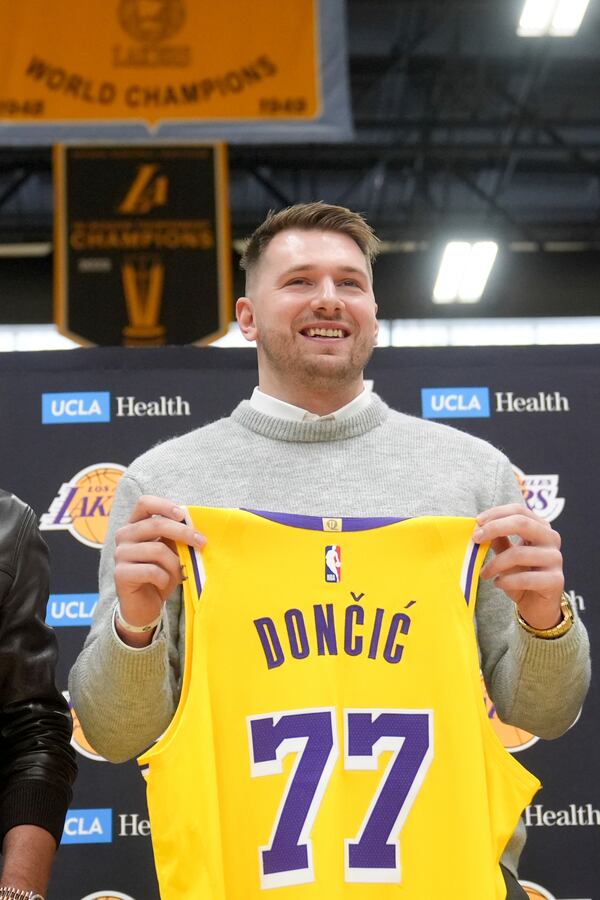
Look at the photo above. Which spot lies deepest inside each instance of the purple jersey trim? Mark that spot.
(315, 523)
(197, 578)
(471, 567)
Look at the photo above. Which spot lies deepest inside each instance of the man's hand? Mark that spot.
(530, 570)
(147, 568)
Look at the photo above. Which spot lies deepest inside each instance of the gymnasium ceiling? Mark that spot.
(461, 127)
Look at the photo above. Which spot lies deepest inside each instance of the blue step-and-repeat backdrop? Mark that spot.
(73, 420)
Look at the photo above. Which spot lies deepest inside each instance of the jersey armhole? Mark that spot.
(190, 566)
(192, 563)
(469, 576)
(463, 568)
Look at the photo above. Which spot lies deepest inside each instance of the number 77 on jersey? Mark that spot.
(373, 854)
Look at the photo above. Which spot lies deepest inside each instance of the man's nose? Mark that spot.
(327, 296)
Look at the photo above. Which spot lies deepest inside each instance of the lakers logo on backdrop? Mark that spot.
(82, 505)
(541, 494)
(79, 740)
(151, 21)
(535, 891)
(513, 739)
(107, 895)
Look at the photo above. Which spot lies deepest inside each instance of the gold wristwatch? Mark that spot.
(548, 634)
(12, 893)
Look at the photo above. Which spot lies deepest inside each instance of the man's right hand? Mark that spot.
(147, 568)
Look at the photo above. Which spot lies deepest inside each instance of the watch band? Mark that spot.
(13, 893)
(134, 629)
(548, 634)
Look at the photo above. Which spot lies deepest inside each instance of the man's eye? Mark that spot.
(349, 282)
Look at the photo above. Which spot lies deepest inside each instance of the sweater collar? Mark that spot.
(323, 429)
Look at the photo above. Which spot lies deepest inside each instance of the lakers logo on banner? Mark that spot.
(148, 189)
(513, 738)
(82, 505)
(151, 22)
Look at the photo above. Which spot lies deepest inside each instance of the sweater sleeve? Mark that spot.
(125, 697)
(535, 684)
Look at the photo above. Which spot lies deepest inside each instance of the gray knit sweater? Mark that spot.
(376, 463)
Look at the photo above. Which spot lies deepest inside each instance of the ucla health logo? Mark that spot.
(82, 505)
(75, 408)
(333, 563)
(70, 609)
(455, 402)
(88, 826)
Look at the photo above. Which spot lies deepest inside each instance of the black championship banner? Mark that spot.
(75, 419)
(119, 70)
(142, 244)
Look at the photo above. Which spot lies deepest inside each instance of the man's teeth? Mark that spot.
(325, 332)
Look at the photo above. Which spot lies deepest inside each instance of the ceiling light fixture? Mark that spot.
(22, 250)
(464, 271)
(558, 18)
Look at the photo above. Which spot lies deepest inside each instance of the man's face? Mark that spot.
(311, 310)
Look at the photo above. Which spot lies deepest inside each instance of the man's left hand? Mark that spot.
(530, 570)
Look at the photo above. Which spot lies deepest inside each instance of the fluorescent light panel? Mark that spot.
(536, 18)
(473, 283)
(568, 17)
(464, 271)
(559, 18)
(452, 268)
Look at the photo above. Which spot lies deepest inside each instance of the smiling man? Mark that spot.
(311, 442)
(311, 310)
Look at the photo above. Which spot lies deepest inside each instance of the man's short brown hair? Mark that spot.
(316, 216)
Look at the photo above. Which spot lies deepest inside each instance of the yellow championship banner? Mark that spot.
(159, 61)
(142, 243)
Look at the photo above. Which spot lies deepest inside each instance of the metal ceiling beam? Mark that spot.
(270, 186)
(20, 177)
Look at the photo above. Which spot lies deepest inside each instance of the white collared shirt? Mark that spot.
(279, 409)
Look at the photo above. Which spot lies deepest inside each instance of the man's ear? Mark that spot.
(244, 313)
(376, 335)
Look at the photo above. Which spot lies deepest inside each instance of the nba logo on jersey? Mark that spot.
(333, 563)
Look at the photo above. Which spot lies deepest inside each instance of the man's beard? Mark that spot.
(317, 371)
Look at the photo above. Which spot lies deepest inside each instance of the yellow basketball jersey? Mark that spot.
(331, 740)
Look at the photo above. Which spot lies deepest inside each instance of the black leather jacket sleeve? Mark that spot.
(37, 762)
